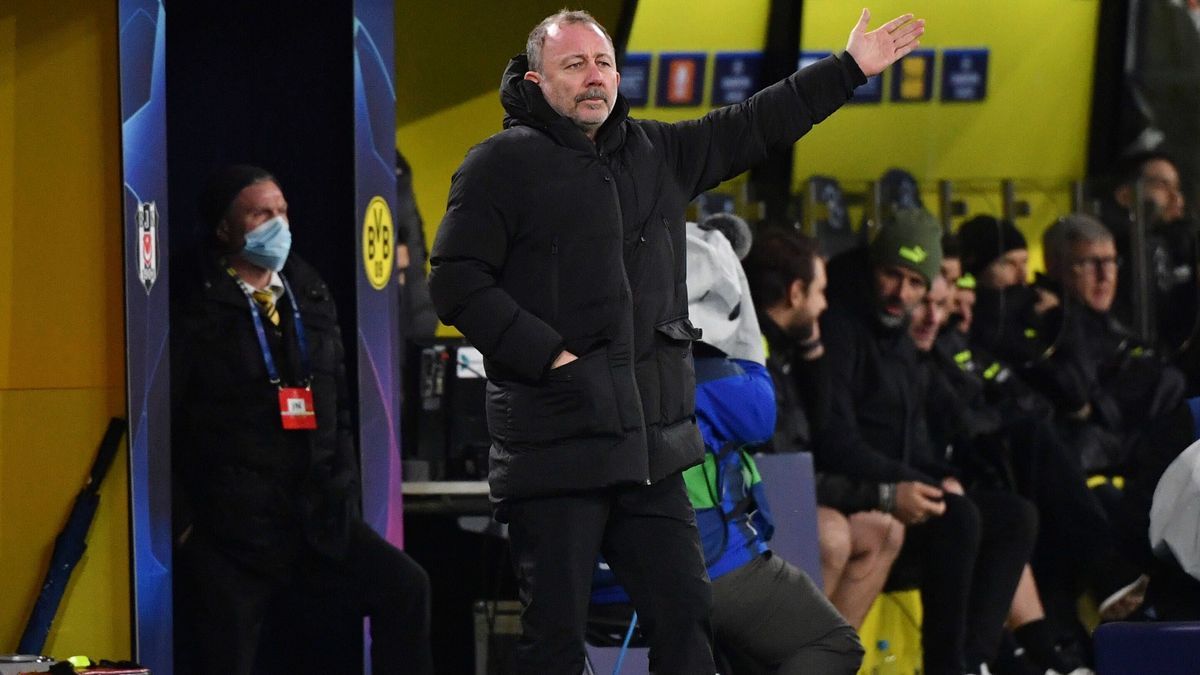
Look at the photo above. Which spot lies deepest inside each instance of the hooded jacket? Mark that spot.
(552, 241)
(878, 428)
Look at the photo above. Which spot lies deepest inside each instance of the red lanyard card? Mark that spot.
(296, 408)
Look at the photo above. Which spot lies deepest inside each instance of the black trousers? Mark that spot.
(1077, 545)
(970, 560)
(648, 536)
(221, 605)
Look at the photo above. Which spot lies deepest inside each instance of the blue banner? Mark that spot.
(680, 80)
(736, 75)
(377, 292)
(635, 79)
(964, 75)
(144, 160)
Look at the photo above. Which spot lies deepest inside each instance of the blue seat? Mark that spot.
(1163, 648)
(792, 494)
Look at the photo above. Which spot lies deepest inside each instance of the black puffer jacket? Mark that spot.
(252, 487)
(551, 241)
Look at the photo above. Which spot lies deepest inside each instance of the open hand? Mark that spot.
(875, 51)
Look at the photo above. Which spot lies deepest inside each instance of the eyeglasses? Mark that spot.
(1097, 265)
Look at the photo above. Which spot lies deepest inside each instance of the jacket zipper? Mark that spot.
(612, 185)
(554, 278)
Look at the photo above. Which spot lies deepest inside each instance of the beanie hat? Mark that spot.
(224, 187)
(984, 238)
(913, 239)
(719, 300)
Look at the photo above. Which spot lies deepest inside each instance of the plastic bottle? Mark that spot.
(888, 663)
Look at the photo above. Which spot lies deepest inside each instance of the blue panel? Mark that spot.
(964, 75)
(736, 75)
(680, 80)
(791, 491)
(808, 58)
(635, 79)
(378, 300)
(143, 152)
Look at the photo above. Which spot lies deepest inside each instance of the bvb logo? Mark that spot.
(378, 242)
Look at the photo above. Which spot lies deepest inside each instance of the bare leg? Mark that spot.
(1027, 603)
(834, 534)
(1027, 621)
(875, 538)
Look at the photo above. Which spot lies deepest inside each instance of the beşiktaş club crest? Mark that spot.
(147, 243)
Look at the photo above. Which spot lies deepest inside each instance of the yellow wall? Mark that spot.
(61, 315)
(1033, 125)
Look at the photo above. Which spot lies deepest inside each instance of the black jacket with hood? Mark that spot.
(553, 242)
(878, 430)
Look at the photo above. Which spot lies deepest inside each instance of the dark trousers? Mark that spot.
(970, 560)
(648, 537)
(221, 604)
(1077, 543)
(769, 617)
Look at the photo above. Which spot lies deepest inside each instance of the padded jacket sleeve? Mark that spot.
(467, 260)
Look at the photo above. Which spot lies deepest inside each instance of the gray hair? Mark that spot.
(537, 36)
(1067, 231)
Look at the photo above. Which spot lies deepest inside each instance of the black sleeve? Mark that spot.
(730, 140)
(812, 381)
(847, 494)
(467, 259)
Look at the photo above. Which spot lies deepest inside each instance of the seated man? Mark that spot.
(1170, 253)
(859, 542)
(267, 500)
(768, 616)
(1131, 392)
(969, 551)
(1002, 432)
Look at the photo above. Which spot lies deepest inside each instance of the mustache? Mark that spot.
(593, 92)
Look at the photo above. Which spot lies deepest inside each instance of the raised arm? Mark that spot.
(730, 140)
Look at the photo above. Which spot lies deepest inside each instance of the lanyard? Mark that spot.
(301, 339)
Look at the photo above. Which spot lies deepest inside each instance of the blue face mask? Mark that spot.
(268, 244)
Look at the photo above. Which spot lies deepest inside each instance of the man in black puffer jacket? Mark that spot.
(561, 257)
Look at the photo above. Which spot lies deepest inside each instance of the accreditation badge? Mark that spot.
(296, 408)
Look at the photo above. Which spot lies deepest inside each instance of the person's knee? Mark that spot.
(838, 652)
(961, 520)
(893, 539)
(835, 540)
(1015, 519)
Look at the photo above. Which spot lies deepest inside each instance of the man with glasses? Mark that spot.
(1132, 393)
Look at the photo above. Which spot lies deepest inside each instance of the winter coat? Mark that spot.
(255, 489)
(878, 429)
(552, 241)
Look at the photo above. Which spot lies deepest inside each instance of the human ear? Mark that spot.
(533, 76)
(797, 293)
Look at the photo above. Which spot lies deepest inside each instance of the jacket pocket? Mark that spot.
(574, 400)
(676, 376)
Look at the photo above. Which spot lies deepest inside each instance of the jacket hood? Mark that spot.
(524, 105)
